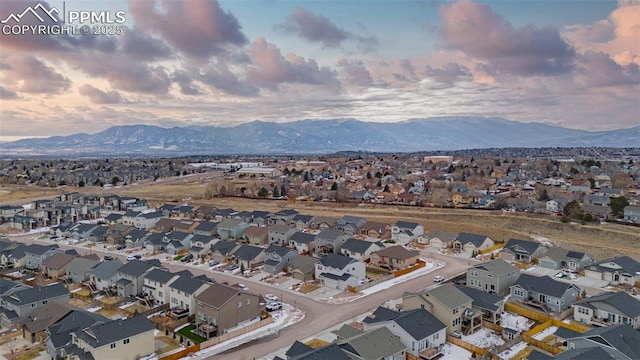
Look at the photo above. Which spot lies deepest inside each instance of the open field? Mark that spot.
(599, 240)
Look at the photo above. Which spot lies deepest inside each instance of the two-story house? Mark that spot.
(376, 230)
(78, 269)
(248, 256)
(207, 228)
(222, 251)
(279, 234)
(56, 266)
(303, 242)
(406, 231)
(37, 253)
(378, 343)
(231, 228)
(277, 258)
(619, 342)
(16, 307)
(104, 275)
(155, 286)
(350, 224)
(184, 289)
(131, 277)
(124, 339)
(495, 276)
(421, 332)
(145, 221)
(360, 249)
(489, 305)
(609, 308)
(256, 235)
(301, 222)
(330, 241)
(544, 292)
(222, 307)
(338, 271)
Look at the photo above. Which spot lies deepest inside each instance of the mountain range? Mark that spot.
(321, 136)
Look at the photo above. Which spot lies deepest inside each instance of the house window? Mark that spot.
(33, 305)
(455, 311)
(44, 302)
(248, 301)
(239, 304)
(125, 341)
(113, 346)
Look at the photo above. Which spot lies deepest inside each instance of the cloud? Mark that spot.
(597, 69)
(601, 31)
(28, 74)
(142, 46)
(479, 32)
(185, 83)
(7, 94)
(98, 96)
(318, 28)
(221, 78)
(357, 72)
(198, 28)
(271, 68)
(449, 73)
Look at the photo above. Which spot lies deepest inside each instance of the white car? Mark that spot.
(271, 298)
(438, 279)
(130, 257)
(272, 306)
(243, 287)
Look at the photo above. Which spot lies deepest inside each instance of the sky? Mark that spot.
(203, 62)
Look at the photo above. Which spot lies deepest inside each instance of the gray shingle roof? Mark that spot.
(522, 246)
(419, 323)
(397, 252)
(106, 269)
(406, 225)
(160, 275)
(449, 295)
(28, 296)
(187, 284)
(302, 238)
(374, 344)
(627, 264)
(543, 285)
(336, 261)
(356, 246)
(381, 314)
(475, 239)
(613, 302)
(329, 352)
(206, 226)
(81, 265)
(247, 252)
(109, 332)
(621, 337)
(135, 268)
(481, 299)
(297, 348)
(329, 234)
(497, 266)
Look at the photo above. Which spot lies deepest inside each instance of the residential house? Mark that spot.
(350, 224)
(182, 211)
(559, 258)
(201, 244)
(220, 308)
(279, 234)
(248, 256)
(360, 249)
(145, 221)
(283, 216)
(17, 307)
(376, 230)
(304, 243)
(330, 241)
(438, 239)
(620, 342)
(78, 269)
(129, 217)
(256, 235)
(421, 332)
(231, 228)
(618, 270)
(155, 286)
(632, 214)
(489, 305)
(522, 250)
(556, 205)
(154, 242)
(323, 222)
(113, 218)
(222, 250)
(449, 305)
(374, 344)
(544, 292)
(35, 328)
(361, 195)
(609, 308)
(300, 351)
(405, 231)
(303, 267)
(13, 256)
(277, 258)
(56, 266)
(184, 289)
(59, 332)
(598, 212)
(301, 222)
(207, 228)
(131, 277)
(259, 218)
(494, 276)
(395, 258)
(471, 244)
(36, 254)
(124, 339)
(8, 287)
(338, 271)
(104, 275)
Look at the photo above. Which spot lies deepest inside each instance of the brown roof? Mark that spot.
(397, 252)
(57, 261)
(166, 223)
(46, 316)
(377, 226)
(255, 231)
(217, 295)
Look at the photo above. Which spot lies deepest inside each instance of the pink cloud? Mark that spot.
(198, 28)
(98, 96)
(28, 74)
(479, 32)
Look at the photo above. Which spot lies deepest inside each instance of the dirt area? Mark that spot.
(27, 354)
(316, 343)
(15, 193)
(308, 288)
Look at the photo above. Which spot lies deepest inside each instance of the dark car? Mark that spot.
(187, 257)
(108, 257)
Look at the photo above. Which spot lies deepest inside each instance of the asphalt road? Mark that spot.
(318, 315)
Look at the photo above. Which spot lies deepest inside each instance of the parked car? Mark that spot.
(272, 306)
(137, 256)
(53, 237)
(271, 298)
(232, 268)
(120, 247)
(438, 279)
(131, 257)
(108, 257)
(187, 257)
(243, 287)
(214, 263)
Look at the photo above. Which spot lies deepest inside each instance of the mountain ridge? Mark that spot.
(322, 136)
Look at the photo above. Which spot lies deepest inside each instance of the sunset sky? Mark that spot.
(204, 62)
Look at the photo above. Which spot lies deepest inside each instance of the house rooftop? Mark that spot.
(112, 331)
(135, 268)
(356, 246)
(36, 294)
(397, 252)
(482, 299)
(374, 344)
(448, 295)
(621, 337)
(336, 261)
(497, 266)
(619, 303)
(543, 284)
(302, 238)
(519, 246)
(475, 239)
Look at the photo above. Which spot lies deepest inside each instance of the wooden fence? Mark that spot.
(420, 265)
(525, 311)
(230, 335)
(182, 353)
(493, 248)
(465, 345)
(154, 310)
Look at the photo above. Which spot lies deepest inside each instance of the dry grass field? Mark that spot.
(599, 240)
